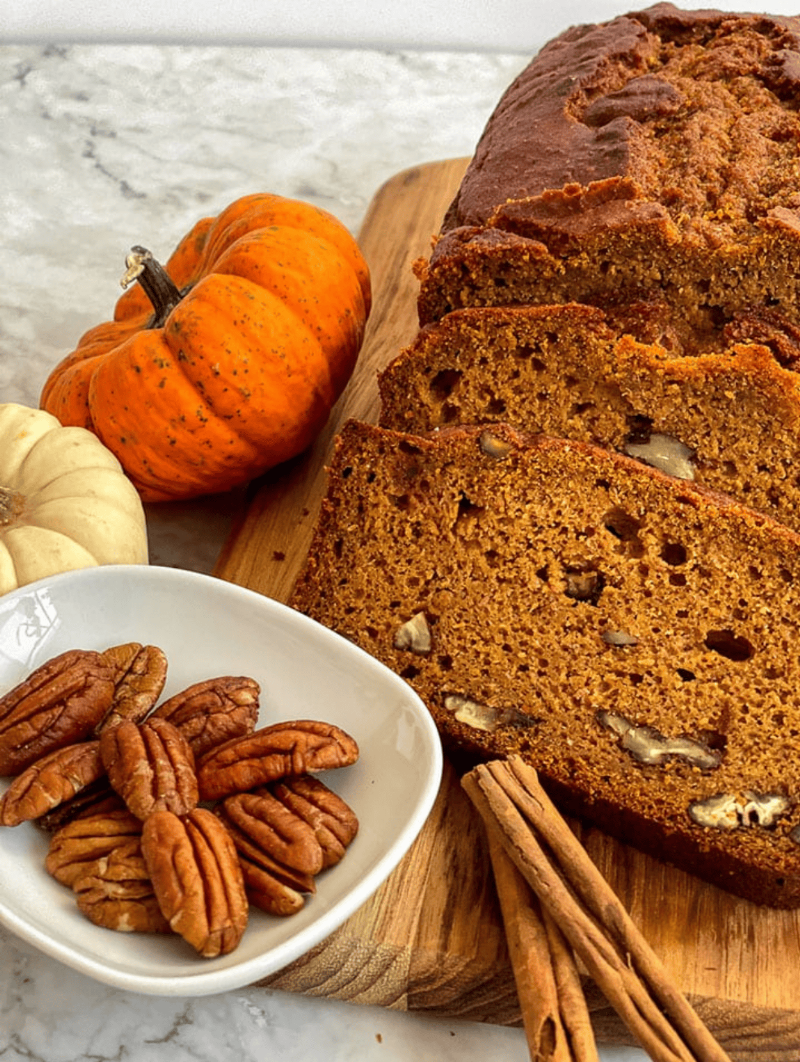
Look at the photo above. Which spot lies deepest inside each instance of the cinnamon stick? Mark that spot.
(571, 1000)
(540, 971)
(577, 898)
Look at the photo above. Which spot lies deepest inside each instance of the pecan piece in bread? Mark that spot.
(76, 847)
(197, 879)
(116, 892)
(212, 712)
(334, 822)
(140, 672)
(151, 766)
(49, 781)
(60, 703)
(301, 747)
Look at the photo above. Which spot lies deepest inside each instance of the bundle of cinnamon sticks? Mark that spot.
(558, 908)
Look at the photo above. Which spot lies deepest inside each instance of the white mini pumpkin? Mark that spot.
(64, 500)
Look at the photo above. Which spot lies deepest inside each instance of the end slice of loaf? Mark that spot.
(657, 152)
(728, 420)
(631, 636)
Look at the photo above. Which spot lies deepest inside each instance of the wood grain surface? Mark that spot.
(431, 938)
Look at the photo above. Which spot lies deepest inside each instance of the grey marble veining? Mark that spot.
(105, 146)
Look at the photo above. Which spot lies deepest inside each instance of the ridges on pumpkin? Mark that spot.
(65, 501)
(243, 373)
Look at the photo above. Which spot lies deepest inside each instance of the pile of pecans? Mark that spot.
(173, 817)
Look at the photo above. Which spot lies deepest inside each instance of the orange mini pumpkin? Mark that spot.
(228, 362)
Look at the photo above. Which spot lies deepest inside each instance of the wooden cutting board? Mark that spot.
(431, 938)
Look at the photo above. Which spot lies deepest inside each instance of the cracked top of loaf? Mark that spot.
(696, 111)
(652, 157)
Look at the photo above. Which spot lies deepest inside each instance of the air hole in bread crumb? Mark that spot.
(677, 579)
(625, 528)
(621, 524)
(579, 408)
(727, 644)
(409, 672)
(673, 553)
(535, 364)
(685, 674)
(640, 428)
(444, 383)
(407, 447)
(466, 508)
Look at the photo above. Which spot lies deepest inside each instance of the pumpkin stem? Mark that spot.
(157, 283)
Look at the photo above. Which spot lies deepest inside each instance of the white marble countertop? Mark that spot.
(105, 146)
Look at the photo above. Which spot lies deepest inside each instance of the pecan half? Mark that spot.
(116, 892)
(197, 879)
(140, 672)
(76, 847)
(60, 703)
(50, 781)
(333, 820)
(94, 799)
(300, 747)
(151, 766)
(270, 886)
(267, 892)
(275, 829)
(212, 712)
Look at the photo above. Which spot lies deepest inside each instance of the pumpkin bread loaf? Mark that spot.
(730, 420)
(632, 636)
(656, 153)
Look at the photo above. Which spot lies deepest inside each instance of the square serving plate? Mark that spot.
(207, 628)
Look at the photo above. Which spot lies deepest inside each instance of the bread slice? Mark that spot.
(729, 420)
(632, 636)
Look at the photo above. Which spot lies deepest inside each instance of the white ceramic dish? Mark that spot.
(208, 627)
